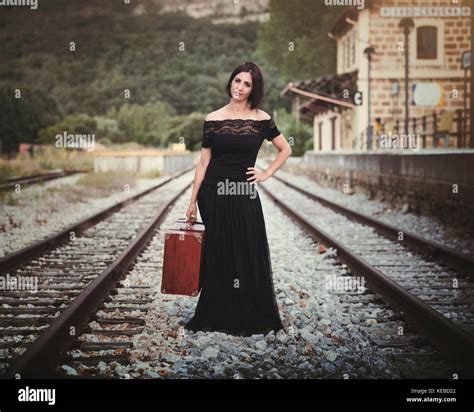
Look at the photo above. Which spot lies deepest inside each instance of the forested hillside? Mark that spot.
(76, 59)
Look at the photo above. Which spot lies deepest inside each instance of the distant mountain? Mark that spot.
(220, 11)
(165, 51)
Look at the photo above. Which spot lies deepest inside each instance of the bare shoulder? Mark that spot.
(262, 115)
(216, 115)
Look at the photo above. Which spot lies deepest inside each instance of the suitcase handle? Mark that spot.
(188, 225)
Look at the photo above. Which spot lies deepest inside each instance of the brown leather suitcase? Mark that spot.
(182, 260)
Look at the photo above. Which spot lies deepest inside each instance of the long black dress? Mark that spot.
(237, 295)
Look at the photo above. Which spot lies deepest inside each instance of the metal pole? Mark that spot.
(407, 24)
(464, 121)
(368, 52)
(369, 58)
(406, 82)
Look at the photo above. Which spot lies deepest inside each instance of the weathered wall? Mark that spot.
(166, 164)
(438, 183)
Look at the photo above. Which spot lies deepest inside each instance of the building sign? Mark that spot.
(424, 11)
(466, 60)
(358, 98)
(427, 94)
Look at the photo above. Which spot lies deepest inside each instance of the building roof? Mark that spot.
(342, 24)
(346, 20)
(330, 86)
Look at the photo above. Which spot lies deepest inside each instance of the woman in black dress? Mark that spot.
(237, 295)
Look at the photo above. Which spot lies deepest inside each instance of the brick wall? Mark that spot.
(389, 62)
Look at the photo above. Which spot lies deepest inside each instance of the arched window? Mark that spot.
(427, 42)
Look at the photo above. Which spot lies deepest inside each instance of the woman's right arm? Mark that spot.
(201, 167)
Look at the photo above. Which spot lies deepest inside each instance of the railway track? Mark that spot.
(36, 178)
(15, 259)
(106, 347)
(108, 308)
(67, 282)
(429, 284)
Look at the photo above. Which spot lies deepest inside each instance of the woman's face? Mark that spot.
(241, 86)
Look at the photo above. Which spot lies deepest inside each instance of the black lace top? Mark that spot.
(235, 144)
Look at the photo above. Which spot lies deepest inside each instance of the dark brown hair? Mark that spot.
(256, 94)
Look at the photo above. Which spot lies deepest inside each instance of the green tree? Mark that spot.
(72, 124)
(305, 23)
(185, 129)
(142, 123)
(21, 118)
(299, 135)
